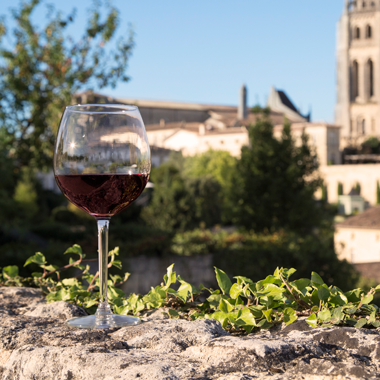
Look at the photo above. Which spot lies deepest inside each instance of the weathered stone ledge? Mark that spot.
(36, 344)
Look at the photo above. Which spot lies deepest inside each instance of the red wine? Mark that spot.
(102, 195)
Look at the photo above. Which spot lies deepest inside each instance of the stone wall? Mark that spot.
(369, 270)
(36, 344)
(149, 271)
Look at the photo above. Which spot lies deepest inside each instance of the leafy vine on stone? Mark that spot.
(240, 307)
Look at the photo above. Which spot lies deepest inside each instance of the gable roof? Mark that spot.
(369, 218)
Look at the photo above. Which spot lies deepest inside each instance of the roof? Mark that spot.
(286, 101)
(369, 218)
(161, 104)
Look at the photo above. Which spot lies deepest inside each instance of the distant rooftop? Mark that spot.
(369, 218)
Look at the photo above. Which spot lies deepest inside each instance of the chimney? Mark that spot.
(242, 109)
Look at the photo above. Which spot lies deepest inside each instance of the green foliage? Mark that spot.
(180, 203)
(274, 182)
(370, 146)
(41, 68)
(240, 306)
(357, 188)
(324, 196)
(340, 188)
(26, 195)
(377, 193)
(220, 165)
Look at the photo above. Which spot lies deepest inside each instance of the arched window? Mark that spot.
(354, 80)
(370, 78)
(357, 33)
(368, 31)
(363, 127)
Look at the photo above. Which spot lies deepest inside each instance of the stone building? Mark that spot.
(357, 240)
(195, 128)
(358, 71)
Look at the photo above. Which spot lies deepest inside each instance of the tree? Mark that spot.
(180, 203)
(42, 70)
(275, 181)
(220, 165)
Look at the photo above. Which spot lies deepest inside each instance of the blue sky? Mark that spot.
(203, 51)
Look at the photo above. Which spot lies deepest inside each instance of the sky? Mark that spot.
(204, 51)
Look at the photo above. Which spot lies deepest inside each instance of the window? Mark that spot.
(357, 33)
(363, 127)
(370, 78)
(368, 31)
(355, 80)
(364, 4)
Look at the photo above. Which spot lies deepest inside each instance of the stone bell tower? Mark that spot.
(357, 109)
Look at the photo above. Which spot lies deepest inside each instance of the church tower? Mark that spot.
(357, 109)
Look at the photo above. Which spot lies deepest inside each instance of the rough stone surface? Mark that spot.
(37, 344)
(59, 309)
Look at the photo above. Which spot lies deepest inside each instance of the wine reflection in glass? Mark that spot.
(102, 164)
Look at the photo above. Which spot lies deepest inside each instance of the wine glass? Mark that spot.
(102, 164)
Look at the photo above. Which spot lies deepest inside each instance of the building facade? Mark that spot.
(358, 72)
(357, 240)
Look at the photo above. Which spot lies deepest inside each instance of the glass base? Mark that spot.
(111, 321)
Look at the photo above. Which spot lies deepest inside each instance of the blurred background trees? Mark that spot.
(253, 213)
(43, 68)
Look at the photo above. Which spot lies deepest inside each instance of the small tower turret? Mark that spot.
(242, 109)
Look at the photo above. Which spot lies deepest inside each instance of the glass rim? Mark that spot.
(80, 108)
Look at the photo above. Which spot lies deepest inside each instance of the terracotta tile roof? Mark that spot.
(369, 218)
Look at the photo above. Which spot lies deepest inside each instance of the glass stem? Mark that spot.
(104, 311)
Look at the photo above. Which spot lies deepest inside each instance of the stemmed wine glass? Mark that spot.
(102, 164)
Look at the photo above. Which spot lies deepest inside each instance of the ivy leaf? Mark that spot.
(170, 277)
(312, 320)
(221, 317)
(360, 323)
(268, 314)
(286, 273)
(225, 306)
(289, 315)
(75, 249)
(50, 268)
(10, 271)
(224, 281)
(324, 315)
(173, 314)
(271, 290)
(367, 299)
(235, 290)
(117, 264)
(323, 292)
(301, 284)
(37, 258)
(354, 295)
(315, 277)
(337, 316)
(214, 300)
(247, 317)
